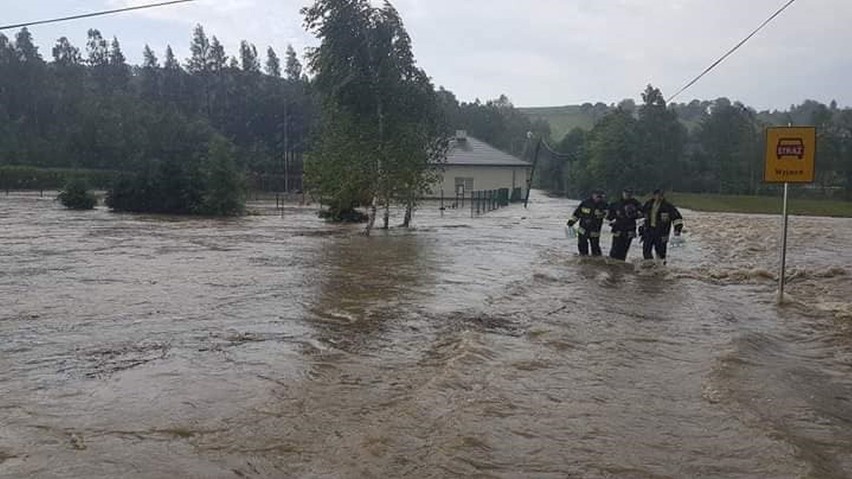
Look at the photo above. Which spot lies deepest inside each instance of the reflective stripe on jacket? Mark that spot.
(590, 215)
(660, 219)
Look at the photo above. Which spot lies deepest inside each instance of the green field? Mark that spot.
(562, 119)
(761, 205)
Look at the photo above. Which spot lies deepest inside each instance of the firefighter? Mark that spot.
(660, 217)
(590, 215)
(622, 218)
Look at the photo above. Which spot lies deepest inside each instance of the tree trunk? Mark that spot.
(371, 218)
(409, 210)
(386, 217)
(380, 116)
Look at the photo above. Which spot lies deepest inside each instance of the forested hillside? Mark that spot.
(88, 108)
(85, 108)
(702, 146)
(86, 111)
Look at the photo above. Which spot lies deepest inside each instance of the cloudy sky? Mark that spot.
(538, 52)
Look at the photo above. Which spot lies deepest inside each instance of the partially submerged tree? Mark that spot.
(336, 171)
(224, 193)
(381, 128)
(76, 196)
(420, 147)
(193, 172)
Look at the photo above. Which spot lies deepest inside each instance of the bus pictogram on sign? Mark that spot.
(790, 148)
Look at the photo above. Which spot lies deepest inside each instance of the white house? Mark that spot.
(473, 165)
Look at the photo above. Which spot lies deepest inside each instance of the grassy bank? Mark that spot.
(761, 204)
(563, 119)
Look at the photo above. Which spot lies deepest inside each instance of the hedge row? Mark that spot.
(32, 178)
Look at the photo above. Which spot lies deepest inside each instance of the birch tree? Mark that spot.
(380, 127)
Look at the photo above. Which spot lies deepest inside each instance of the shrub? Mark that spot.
(212, 185)
(348, 215)
(162, 187)
(34, 178)
(224, 193)
(76, 196)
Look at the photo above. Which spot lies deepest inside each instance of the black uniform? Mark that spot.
(622, 216)
(659, 220)
(590, 215)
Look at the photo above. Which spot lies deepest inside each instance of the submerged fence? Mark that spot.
(482, 202)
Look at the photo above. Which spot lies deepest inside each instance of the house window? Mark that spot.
(463, 185)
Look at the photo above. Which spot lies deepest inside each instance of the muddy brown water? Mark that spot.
(277, 346)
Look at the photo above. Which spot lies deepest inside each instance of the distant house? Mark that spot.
(473, 165)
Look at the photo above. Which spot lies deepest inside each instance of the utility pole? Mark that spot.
(286, 145)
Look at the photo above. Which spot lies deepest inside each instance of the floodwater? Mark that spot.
(276, 346)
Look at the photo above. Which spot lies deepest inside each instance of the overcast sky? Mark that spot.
(538, 52)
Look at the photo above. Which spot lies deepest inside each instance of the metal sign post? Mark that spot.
(790, 158)
(782, 276)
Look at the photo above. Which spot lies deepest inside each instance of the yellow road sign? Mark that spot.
(790, 155)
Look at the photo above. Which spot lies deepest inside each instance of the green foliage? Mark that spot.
(336, 170)
(613, 160)
(728, 151)
(211, 184)
(248, 57)
(162, 187)
(65, 54)
(703, 146)
(273, 64)
(660, 140)
(168, 177)
(369, 116)
(76, 196)
(563, 119)
(96, 49)
(381, 132)
(102, 114)
(199, 62)
(32, 178)
(337, 215)
(217, 59)
(496, 122)
(570, 172)
(224, 193)
(293, 66)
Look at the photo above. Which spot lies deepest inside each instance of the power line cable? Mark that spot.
(560, 156)
(732, 50)
(94, 14)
